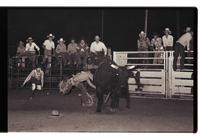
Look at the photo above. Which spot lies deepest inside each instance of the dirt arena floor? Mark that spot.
(145, 115)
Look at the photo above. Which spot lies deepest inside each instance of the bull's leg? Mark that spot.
(127, 100)
(114, 100)
(137, 79)
(99, 99)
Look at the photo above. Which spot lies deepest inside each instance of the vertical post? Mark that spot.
(146, 21)
(102, 24)
(178, 23)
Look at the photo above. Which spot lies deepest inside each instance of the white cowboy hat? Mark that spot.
(188, 29)
(168, 30)
(142, 33)
(50, 35)
(29, 39)
(61, 40)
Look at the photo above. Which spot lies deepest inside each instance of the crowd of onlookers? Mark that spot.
(165, 43)
(77, 53)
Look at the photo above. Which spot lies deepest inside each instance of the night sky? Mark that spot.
(121, 25)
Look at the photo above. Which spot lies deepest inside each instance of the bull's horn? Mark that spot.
(130, 67)
(114, 66)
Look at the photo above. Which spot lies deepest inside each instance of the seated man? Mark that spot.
(83, 52)
(78, 81)
(73, 52)
(37, 79)
(98, 49)
(21, 55)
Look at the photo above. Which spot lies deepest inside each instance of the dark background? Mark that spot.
(120, 25)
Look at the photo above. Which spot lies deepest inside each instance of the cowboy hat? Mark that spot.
(168, 30)
(142, 33)
(61, 40)
(188, 29)
(50, 35)
(29, 39)
(21, 43)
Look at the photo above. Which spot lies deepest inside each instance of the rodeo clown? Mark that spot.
(37, 79)
(78, 81)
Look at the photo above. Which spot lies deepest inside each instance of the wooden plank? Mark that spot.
(183, 90)
(182, 74)
(147, 81)
(182, 82)
(148, 88)
(151, 74)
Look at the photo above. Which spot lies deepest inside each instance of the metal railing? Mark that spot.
(159, 78)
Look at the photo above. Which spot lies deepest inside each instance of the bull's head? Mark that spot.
(123, 74)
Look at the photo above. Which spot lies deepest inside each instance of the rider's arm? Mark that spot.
(91, 84)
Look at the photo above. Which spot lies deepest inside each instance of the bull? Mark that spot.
(111, 79)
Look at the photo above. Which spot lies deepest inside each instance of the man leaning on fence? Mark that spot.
(143, 44)
(181, 45)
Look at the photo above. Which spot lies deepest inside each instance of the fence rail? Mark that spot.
(158, 77)
(156, 74)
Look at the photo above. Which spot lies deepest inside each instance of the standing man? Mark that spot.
(49, 47)
(98, 49)
(143, 45)
(72, 52)
(37, 79)
(181, 44)
(168, 40)
(31, 48)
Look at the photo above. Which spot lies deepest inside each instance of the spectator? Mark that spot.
(181, 44)
(97, 47)
(167, 40)
(61, 51)
(83, 52)
(156, 43)
(21, 55)
(73, 52)
(143, 45)
(98, 50)
(48, 46)
(30, 49)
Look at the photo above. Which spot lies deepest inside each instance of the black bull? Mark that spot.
(109, 78)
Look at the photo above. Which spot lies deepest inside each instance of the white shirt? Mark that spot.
(98, 47)
(168, 41)
(31, 47)
(49, 44)
(185, 40)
